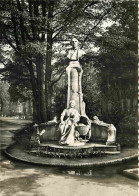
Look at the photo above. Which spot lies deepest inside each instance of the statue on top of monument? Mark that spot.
(74, 54)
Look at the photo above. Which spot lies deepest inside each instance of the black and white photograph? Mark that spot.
(69, 98)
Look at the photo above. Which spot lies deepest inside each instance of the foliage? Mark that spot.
(19, 92)
(39, 31)
(91, 87)
(31, 28)
(129, 124)
(4, 98)
(128, 131)
(117, 61)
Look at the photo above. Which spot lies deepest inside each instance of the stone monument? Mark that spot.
(68, 139)
(74, 72)
(74, 95)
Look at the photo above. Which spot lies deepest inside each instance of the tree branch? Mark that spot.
(67, 20)
(2, 62)
(101, 18)
(55, 81)
(10, 43)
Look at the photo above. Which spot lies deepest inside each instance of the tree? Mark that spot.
(4, 98)
(118, 53)
(32, 29)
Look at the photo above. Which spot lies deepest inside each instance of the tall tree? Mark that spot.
(118, 57)
(33, 27)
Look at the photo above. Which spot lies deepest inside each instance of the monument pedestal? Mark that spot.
(74, 72)
(74, 87)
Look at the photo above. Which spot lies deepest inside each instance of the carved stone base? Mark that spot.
(78, 143)
(54, 150)
(110, 143)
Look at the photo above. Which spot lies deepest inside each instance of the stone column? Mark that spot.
(75, 88)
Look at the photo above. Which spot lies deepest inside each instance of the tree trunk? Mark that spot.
(41, 88)
(35, 91)
(48, 79)
(48, 59)
(35, 118)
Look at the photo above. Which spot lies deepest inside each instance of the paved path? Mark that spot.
(8, 126)
(10, 123)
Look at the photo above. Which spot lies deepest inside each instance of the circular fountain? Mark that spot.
(75, 140)
(75, 136)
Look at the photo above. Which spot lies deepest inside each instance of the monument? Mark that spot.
(74, 72)
(77, 119)
(76, 136)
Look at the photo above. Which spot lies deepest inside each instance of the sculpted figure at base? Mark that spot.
(111, 135)
(111, 130)
(69, 119)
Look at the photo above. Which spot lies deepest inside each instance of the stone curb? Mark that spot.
(77, 165)
(129, 173)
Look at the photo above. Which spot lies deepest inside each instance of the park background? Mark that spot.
(33, 41)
